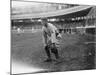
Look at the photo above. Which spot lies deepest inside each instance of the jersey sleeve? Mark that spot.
(44, 36)
(57, 32)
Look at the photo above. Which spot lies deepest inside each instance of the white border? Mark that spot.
(86, 2)
(4, 37)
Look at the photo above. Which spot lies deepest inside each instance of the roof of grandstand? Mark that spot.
(69, 12)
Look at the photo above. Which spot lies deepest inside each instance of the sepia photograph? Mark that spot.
(52, 37)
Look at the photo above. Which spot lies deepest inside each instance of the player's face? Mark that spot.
(44, 22)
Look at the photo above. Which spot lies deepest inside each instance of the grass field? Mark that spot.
(27, 48)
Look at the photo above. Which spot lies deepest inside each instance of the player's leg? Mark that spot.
(47, 50)
(55, 51)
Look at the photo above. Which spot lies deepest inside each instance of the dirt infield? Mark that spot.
(75, 54)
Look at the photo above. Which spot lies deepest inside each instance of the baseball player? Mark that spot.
(51, 37)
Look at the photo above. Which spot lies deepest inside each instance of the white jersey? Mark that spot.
(49, 34)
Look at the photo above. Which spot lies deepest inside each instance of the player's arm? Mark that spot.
(58, 35)
(45, 37)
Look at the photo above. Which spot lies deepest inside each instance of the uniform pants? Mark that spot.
(54, 50)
